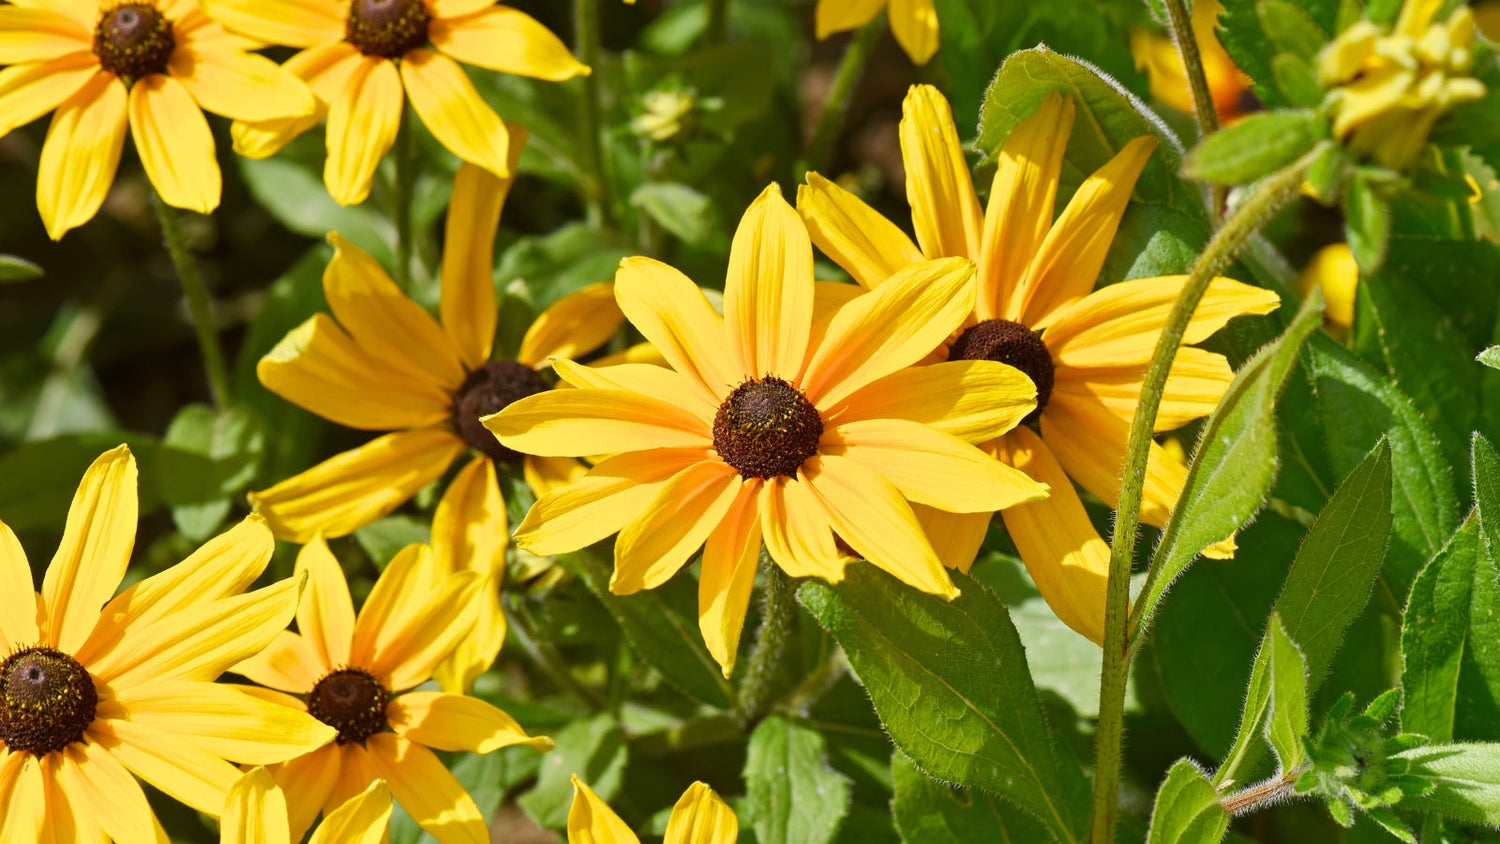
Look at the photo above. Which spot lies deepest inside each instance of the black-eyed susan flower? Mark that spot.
(700, 817)
(771, 426)
(255, 813)
(366, 58)
(913, 22)
(153, 66)
(1036, 309)
(356, 674)
(1155, 53)
(1334, 271)
(92, 698)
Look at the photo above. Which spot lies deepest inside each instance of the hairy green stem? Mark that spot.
(1203, 98)
(1264, 200)
(831, 120)
(771, 642)
(1261, 794)
(600, 197)
(405, 188)
(197, 300)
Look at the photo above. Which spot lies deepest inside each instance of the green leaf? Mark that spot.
(930, 812)
(949, 682)
(1286, 724)
(679, 209)
(794, 797)
(1486, 474)
(1467, 780)
(1187, 809)
(384, 537)
(13, 268)
(209, 458)
(1235, 462)
(594, 749)
(1290, 28)
(1327, 174)
(296, 197)
(1254, 50)
(1254, 147)
(1367, 224)
(1490, 357)
(41, 477)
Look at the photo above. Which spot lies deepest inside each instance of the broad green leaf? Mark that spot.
(1251, 148)
(1254, 50)
(1187, 809)
(1286, 723)
(1290, 28)
(1235, 462)
(1486, 474)
(794, 797)
(1367, 224)
(383, 538)
(594, 749)
(930, 812)
(41, 477)
(679, 209)
(209, 458)
(1490, 357)
(1467, 780)
(13, 268)
(296, 196)
(949, 681)
(667, 640)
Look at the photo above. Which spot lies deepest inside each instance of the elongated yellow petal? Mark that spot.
(39, 35)
(325, 616)
(972, 400)
(307, 782)
(1089, 442)
(295, 23)
(674, 316)
(81, 154)
(363, 819)
(350, 490)
(424, 788)
(768, 297)
(955, 537)
(644, 378)
(931, 467)
(176, 147)
(412, 651)
(573, 423)
(241, 86)
(221, 719)
(730, 558)
(468, 307)
(573, 326)
(18, 605)
(289, 664)
(362, 124)
(255, 812)
(944, 209)
(701, 817)
(796, 530)
(508, 40)
(113, 798)
(28, 91)
(24, 795)
(456, 8)
(870, 514)
(889, 328)
(183, 770)
(1196, 383)
(470, 532)
(451, 108)
(458, 722)
(840, 15)
(856, 236)
(326, 69)
(1068, 561)
(545, 474)
(591, 821)
(95, 549)
(673, 526)
(915, 25)
(400, 594)
(1333, 270)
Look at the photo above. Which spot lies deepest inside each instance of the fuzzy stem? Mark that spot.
(1203, 99)
(770, 644)
(1261, 794)
(601, 199)
(406, 180)
(1263, 201)
(197, 300)
(851, 68)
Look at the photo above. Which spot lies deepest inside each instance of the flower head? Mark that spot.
(151, 65)
(1036, 309)
(356, 674)
(1334, 271)
(365, 59)
(255, 813)
(772, 426)
(1158, 56)
(700, 817)
(913, 22)
(90, 697)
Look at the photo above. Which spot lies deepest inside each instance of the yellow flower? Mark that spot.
(1388, 89)
(90, 696)
(913, 22)
(255, 813)
(772, 426)
(1334, 270)
(365, 58)
(1036, 308)
(356, 675)
(700, 817)
(1156, 54)
(151, 65)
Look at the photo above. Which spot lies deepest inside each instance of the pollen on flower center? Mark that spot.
(134, 40)
(351, 701)
(47, 700)
(1013, 344)
(490, 389)
(387, 28)
(767, 428)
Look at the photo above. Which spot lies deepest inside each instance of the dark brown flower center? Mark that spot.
(351, 701)
(1010, 343)
(767, 428)
(491, 389)
(47, 700)
(134, 40)
(387, 28)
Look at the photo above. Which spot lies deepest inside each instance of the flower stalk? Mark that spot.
(197, 299)
(769, 653)
(831, 120)
(1203, 100)
(600, 199)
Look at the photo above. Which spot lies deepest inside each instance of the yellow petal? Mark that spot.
(39, 35)
(673, 314)
(288, 664)
(364, 819)
(545, 474)
(612, 495)
(507, 40)
(307, 782)
(352, 489)
(1333, 270)
(955, 537)
(642, 378)
(24, 793)
(400, 594)
(573, 423)
(591, 821)
(255, 812)
(768, 296)
(673, 526)
(870, 514)
(1068, 561)
(113, 798)
(221, 719)
(1089, 442)
(1196, 383)
(241, 86)
(730, 558)
(468, 308)
(458, 722)
(931, 467)
(796, 531)
(326, 69)
(1021, 201)
(95, 549)
(470, 532)
(424, 788)
(451, 108)
(701, 817)
(889, 328)
(177, 150)
(915, 25)
(362, 124)
(1067, 263)
(972, 400)
(944, 209)
(325, 616)
(356, 770)
(456, 8)
(840, 15)
(406, 653)
(182, 769)
(18, 605)
(856, 236)
(573, 326)
(294, 23)
(1120, 324)
(28, 91)
(81, 154)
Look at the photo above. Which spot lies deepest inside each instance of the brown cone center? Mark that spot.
(387, 28)
(490, 389)
(351, 701)
(134, 40)
(47, 700)
(1014, 344)
(767, 428)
